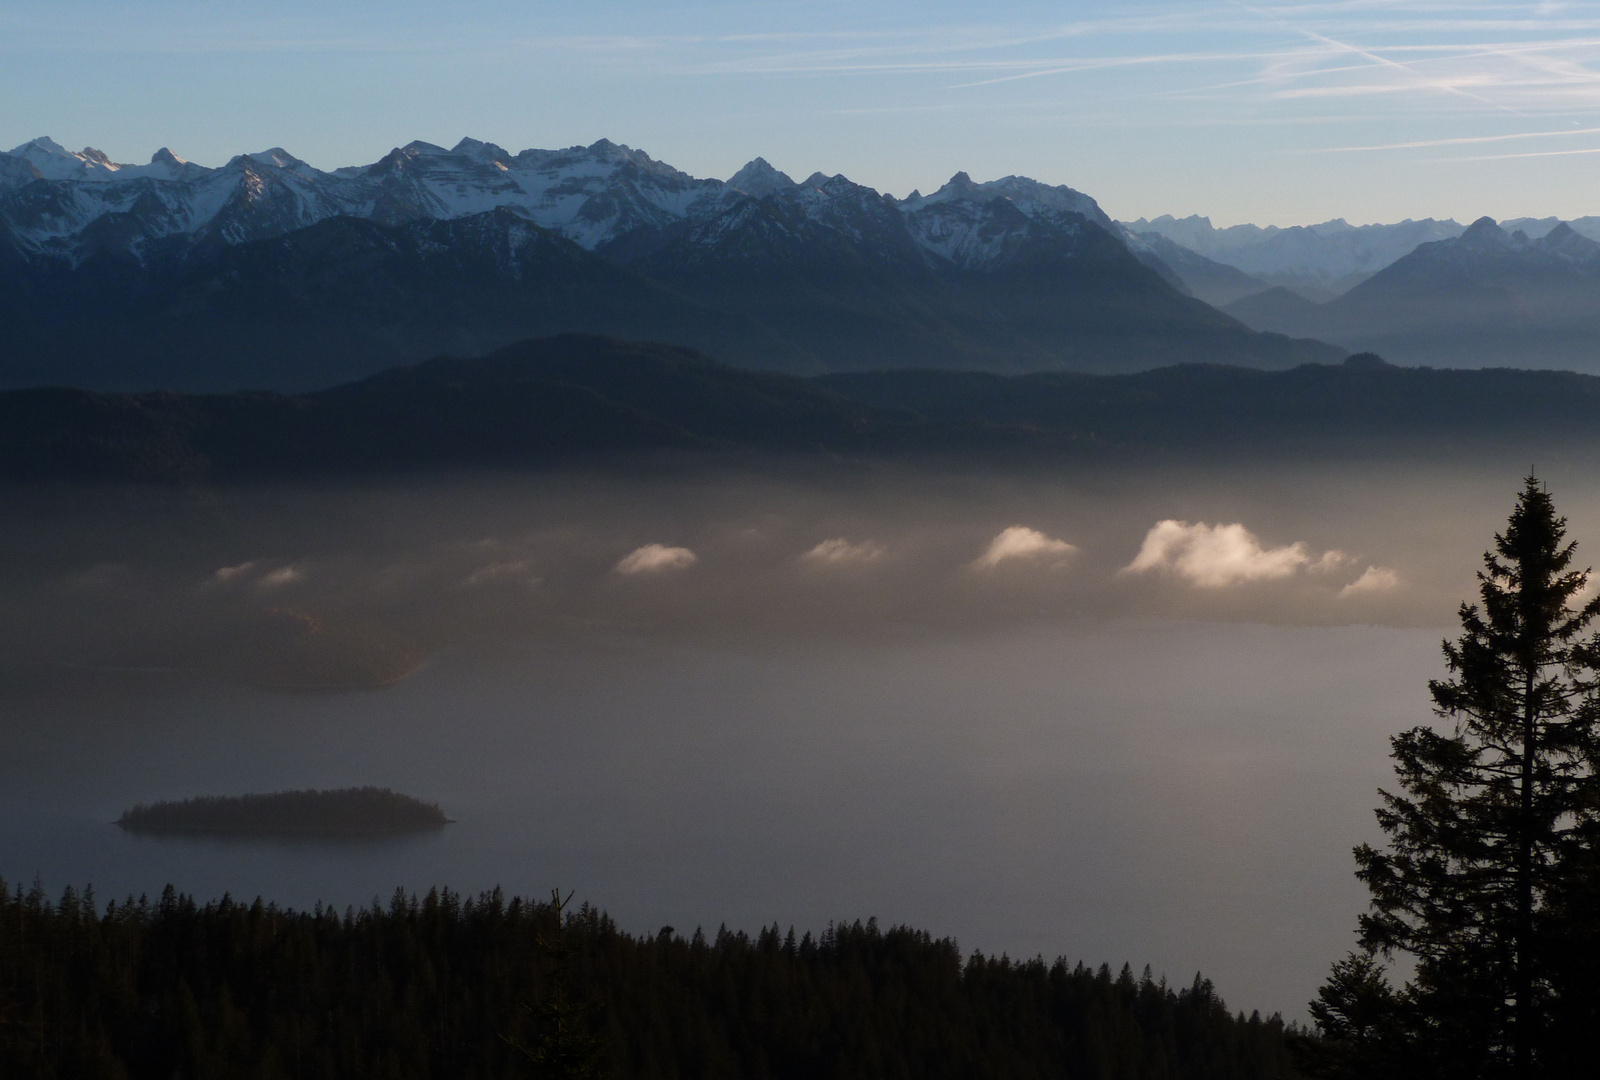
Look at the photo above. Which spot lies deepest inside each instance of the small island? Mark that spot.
(341, 813)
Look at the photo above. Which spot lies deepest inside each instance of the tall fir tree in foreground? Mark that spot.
(1486, 883)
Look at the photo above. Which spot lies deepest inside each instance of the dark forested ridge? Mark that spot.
(555, 399)
(367, 811)
(441, 986)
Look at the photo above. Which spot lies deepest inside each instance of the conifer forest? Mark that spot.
(451, 986)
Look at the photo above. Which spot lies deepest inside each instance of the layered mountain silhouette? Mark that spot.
(1218, 284)
(269, 274)
(1484, 298)
(1317, 261)
(573, 398)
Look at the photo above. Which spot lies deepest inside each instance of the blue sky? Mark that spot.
(1267, 112)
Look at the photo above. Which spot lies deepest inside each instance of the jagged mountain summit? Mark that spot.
(589, 194)
(760, 179)
(267, 272)
(1488, 297)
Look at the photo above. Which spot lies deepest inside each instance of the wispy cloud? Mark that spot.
(841, 552)
(277, 579)
(1410, 77)
(1462, 141)
(515, 571)
(1530, 154)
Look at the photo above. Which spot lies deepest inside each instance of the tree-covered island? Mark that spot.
(342, 812)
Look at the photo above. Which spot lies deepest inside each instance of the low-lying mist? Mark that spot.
(1112, 714)
(348, 587)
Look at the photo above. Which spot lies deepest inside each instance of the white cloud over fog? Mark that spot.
(839, 551)
(1215, 556)
(1021, 542)
(1376, 579)
(252, 572)
(654, 558)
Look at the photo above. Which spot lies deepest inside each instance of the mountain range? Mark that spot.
(574, 398)
(1317, 262)
(1486, 297)
(267, 273)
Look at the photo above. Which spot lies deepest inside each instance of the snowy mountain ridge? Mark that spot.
(68, 205)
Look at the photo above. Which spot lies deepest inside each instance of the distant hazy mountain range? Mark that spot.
(593, 400)
(1319, 262)
(267, 273)
(1484, 298)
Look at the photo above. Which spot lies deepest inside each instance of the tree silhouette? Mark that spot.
(1487, 836)
(565, 1049)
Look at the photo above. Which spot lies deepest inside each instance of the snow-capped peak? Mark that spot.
(1029, 196)
(279, 158)
(56, 162)
(43, 145)
(759, 179)
(418, 148)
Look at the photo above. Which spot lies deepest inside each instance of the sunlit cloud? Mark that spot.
(246, 571)
(277, 579)
(841, 552)
(656, 558)
(1022, 543)
(1216, 556)
(1375, 579)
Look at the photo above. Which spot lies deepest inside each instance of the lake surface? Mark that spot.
(826, 702)
(1183, 794)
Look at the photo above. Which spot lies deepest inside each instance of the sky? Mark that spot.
(1266, 112)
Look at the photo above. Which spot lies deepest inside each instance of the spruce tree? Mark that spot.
(1488, 836)
(565, 1049)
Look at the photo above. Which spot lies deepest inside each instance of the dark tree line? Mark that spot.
(446, 986)
(1489, 883)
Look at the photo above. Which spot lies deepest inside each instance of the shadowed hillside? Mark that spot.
(567, 399)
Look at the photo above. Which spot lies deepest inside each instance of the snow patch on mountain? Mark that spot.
(1031, 197)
